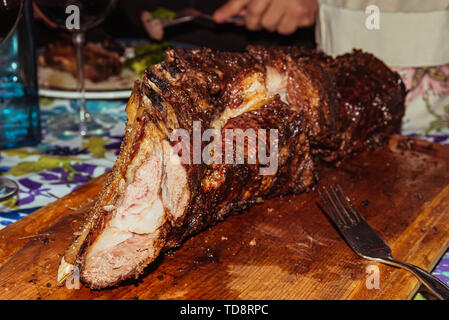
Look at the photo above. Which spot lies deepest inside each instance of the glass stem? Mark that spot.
(79, 41)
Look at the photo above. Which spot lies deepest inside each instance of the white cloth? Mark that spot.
(412, 33)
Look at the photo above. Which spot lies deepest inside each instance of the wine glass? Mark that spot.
(76, 16)
(10, 13)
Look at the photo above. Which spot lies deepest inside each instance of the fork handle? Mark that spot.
(233, 19)
(236, 19)
(438, 287)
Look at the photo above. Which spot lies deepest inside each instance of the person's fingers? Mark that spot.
(299, 13)
(152, 26)
(229, 9)
(273, 15)
(309, 16)
(241, 22)
(254, 13)
(289, 23)
(156, 30)
(145, 17)
(297, 17)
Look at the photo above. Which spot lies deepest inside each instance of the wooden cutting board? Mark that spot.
(283, 249)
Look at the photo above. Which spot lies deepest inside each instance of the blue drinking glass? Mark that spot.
(19, 104)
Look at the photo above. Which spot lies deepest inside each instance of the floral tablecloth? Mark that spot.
(59, 164)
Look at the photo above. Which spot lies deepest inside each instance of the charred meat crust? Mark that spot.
(371, 99)
(331, 109)
(310, 89)
(361, 100)
(239, 186)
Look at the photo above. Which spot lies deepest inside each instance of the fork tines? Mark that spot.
(341, 210)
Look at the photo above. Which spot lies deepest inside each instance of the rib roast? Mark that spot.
(323, 109)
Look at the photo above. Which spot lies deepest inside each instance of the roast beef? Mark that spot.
(301, 106)
(352, 103)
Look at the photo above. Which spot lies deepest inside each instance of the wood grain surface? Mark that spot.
(285, 248)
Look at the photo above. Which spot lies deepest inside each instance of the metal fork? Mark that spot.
(367, 243)
(190, 14)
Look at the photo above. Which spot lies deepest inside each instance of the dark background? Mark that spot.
(124, 22)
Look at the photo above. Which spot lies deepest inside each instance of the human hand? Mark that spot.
(283, 16)
(152, 26)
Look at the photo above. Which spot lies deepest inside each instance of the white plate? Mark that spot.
(63, 94)
(106, 89)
